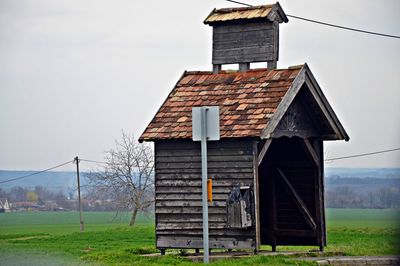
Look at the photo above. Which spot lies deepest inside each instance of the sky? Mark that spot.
(75, 74)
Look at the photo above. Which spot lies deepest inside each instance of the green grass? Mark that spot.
(44, 238)
(62, 222)
(360, 218)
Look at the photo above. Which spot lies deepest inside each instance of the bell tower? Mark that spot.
(246, 34)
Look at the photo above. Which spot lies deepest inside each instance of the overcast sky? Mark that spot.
(73, 74)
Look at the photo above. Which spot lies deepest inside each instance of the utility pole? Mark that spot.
(76, 159)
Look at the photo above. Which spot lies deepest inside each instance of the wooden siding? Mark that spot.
(243, 43)
(178, 192)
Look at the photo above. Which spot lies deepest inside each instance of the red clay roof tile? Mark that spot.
(247, 101)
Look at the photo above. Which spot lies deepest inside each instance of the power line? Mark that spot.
(240, 3)
(343, 27)
(329, 24)
(92, 161)
(361, 154)
(36, 173)
(108, 163)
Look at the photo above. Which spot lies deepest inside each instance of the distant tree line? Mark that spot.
(362, 193)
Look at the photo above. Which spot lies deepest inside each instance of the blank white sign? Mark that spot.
(212, 122)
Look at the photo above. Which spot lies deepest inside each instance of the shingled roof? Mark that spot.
(247, 102)
(272, 12)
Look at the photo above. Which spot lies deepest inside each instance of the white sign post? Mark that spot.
(205, 126)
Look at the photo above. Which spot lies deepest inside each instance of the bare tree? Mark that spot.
(128, 176)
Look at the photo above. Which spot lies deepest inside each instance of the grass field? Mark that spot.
(53, 238)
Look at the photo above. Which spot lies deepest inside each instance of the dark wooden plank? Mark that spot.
(189, 225)
(193, 242)
(223, 145)
(178, 203)
(197, 165)
(242, 27)
(257, 41)
(211, 171)
(191, 196)
(197, 183)
(319, 147)
(263, 151)
(226, 232)
(189, 210)
(211, 158)
(298, 233)
(190, 217)
(256, 197)
(311, 152)
(274, 210)
(179, 190)
(196, 152)
(197, 176)
(296, 199)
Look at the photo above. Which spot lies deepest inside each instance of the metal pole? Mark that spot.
(79, 194)
(204, 181)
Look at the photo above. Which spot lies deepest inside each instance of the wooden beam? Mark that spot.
(271, 65)
(256, 197)
(264, 151)
(317, 88)
(284, 104)
(216, 68)
(244, 67)
(273, 226)
(299, 233)
(311, 152)
(322, 191)
(297, 200)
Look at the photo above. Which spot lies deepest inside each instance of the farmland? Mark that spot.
(49, 237)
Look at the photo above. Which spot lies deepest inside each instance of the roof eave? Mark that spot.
(305, 76)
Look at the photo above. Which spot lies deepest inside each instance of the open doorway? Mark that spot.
(291, 194)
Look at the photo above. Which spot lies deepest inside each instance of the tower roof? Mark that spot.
(272, 12)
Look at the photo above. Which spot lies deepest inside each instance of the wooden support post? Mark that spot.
(320, 146)
(271, 65)
(256, 197)
(297, 200)
(244, 67)
(311, 152)
(274, 226)
(263, 151)
(197, 251)
(216, 68)
(162, 251)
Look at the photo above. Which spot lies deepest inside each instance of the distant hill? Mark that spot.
(55, 181)
(362, 172)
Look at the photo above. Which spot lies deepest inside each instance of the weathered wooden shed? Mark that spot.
(273, 124)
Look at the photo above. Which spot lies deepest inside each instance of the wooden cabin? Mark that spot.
(272, 125)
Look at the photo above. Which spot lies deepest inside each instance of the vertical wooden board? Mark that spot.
(322, 190)
(256, 195)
